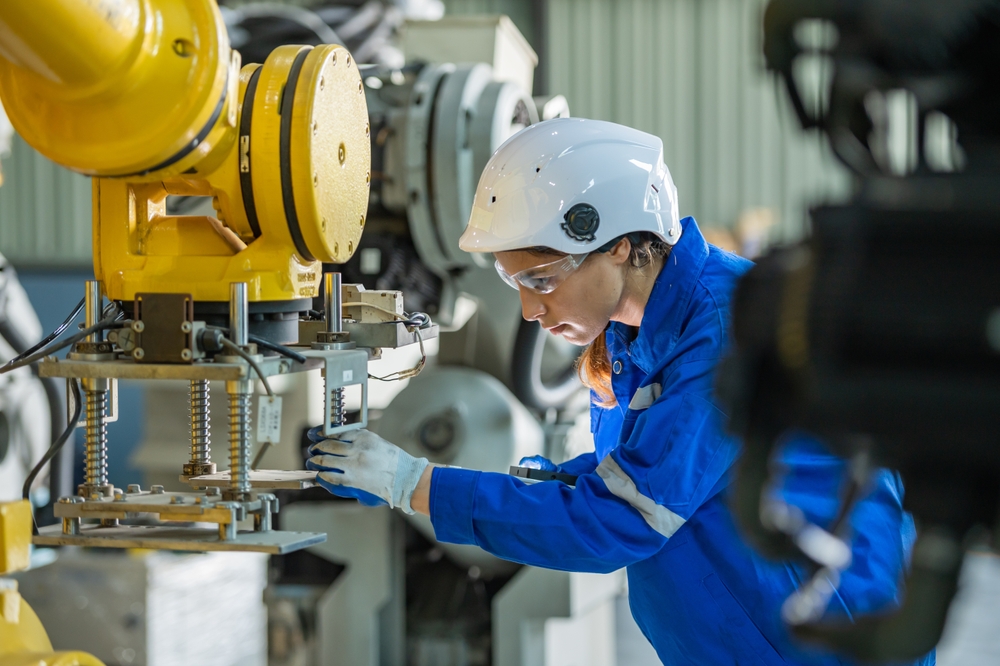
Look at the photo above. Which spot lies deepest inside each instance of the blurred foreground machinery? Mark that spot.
(881, 333)
(150, 100)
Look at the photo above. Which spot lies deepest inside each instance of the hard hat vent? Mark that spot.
(581, 222)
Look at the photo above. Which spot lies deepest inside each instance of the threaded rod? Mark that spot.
(96, 441)
(239, 442)
(201, 440)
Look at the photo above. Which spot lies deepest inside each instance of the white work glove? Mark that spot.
(362, 465)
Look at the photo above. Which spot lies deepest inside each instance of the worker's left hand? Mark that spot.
(362, 465)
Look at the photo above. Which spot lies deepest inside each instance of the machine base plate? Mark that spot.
(275, 542)
(259, 479)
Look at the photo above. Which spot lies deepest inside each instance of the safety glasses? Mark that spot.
(545, 278)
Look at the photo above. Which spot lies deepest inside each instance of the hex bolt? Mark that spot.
(156, 490)
(119, 495)
(213, 491)
(134, 488)
(177, 499)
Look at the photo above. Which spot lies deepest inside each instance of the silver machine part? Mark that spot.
(201, 435)
(334, 309)
(95, 396)
(239, 399)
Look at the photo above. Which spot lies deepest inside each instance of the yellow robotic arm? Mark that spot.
(148, 97)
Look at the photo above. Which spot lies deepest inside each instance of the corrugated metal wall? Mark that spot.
(691, 72)
(44, 211)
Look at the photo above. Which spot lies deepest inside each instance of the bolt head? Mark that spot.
(66, 500)
(186, 354)
(156, 490)
(138, 326)
(138, 353)
(134, 488)
(177, 499)
(213, 491)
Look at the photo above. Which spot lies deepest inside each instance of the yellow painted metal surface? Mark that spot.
(154, 109)
(113, 87)
(23, 641)
(15, 536)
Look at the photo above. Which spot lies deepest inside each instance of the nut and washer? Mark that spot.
(138, 326)
(156, 490)
(134, 488)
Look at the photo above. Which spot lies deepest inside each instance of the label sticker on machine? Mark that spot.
(269, 419)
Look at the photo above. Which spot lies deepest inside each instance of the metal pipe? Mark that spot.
(333, 303)
(238, 309)
(93, 307)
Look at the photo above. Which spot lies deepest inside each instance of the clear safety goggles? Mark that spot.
(545, 278)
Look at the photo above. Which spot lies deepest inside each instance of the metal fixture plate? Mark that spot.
(259, 479)
(389, 335)
(127, 369)
(187, 507)
(275, 542)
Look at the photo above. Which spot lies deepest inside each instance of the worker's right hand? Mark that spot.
(539, 462)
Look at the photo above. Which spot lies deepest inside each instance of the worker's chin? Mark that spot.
(575, 336)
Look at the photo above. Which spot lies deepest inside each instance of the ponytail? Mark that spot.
(594, 368)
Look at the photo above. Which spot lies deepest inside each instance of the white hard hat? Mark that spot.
(572, 185)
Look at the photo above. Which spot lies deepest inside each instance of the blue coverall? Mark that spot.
(652, 496)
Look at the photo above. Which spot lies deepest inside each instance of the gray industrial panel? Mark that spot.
(519, 11)
(45, 211)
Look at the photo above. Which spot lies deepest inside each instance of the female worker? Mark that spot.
(582, 218)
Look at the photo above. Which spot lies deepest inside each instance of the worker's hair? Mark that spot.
(594, 364)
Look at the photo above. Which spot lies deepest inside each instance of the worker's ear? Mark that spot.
(619, 254)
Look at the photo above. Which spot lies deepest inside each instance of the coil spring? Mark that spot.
(200, 433)
(239, 441)
(96, 440)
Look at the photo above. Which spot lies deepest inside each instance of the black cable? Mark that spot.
(53, 335)
(58, 444)
(38, 356)
(275, 347)
(53, 395)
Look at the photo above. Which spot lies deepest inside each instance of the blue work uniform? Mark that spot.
(652, 496)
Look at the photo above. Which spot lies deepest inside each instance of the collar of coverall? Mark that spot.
(664, 312)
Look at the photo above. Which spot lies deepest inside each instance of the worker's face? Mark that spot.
(580, 308)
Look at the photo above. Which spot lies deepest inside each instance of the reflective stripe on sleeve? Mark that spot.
(645, 396)
(660, 518)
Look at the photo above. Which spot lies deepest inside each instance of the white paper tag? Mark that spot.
(348, 375)
(269, 419)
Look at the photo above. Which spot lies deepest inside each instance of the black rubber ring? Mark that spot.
(195, 142)
(246, 182)
(287, 99)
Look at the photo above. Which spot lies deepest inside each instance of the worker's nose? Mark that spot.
(532, 307)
